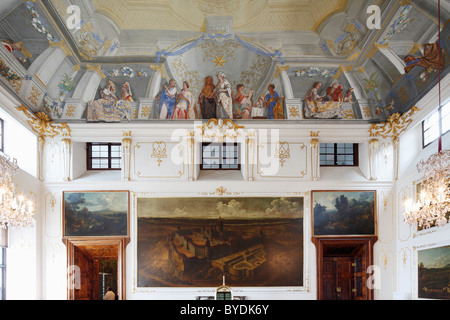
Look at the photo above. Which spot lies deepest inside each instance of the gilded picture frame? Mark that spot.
(433, 272)
(89, 214)
(174, 234)
(344, 213)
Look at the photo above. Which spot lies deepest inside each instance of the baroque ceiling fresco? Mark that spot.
(112, 61)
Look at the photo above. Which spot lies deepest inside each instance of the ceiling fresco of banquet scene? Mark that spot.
(110, 61)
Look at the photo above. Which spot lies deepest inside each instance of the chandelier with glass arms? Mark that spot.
(432, 206)
(15, 211)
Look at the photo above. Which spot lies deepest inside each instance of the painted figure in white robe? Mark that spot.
(223, 98)
(109, 92)
(312, 94)
(185, 104)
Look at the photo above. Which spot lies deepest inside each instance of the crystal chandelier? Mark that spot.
(15, 211)
(433, 204)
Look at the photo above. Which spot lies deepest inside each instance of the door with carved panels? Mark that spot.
(342, 268)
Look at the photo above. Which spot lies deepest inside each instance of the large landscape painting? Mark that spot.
(184, 242)
(344, 213)
(434, 273)
(96, 214)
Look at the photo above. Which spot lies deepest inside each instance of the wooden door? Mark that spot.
(84, 255)
(338, 278)
(342, 265)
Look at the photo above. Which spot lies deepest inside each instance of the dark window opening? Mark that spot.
(220, 156)
(104, 156)
(339, 154)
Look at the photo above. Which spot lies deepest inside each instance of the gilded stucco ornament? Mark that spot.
(221, 129)
(395, 125)
(41, 124)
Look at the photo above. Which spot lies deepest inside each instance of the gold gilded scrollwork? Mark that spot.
(393, 128)
(283, 152)
(41, 124)
(395, 125)
(159, 151)
(220, 129)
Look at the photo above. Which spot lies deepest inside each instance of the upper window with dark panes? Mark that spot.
(104, 156)
(339, 154)
(220, 156)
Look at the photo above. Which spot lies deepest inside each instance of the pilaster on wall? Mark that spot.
(126, 156)
(67, 158)
(373, 150)
(315, 156)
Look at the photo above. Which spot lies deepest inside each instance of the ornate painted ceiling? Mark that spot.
(189, 15)
(255, 42)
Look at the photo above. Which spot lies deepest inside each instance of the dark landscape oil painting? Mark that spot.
(96, 214)
(187, 242)
(344, 213)
(434, 273)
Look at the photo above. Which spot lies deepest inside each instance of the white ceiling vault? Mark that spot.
(250, 40)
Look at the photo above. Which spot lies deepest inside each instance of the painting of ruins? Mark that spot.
(187, 242)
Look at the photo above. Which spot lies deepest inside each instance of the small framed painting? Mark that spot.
(96, 214)
(344, 213)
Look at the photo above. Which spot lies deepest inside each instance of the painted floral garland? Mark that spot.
(6, 72)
